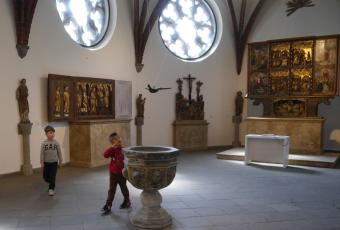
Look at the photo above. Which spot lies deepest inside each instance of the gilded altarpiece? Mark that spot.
(292, 77)
(82, 98)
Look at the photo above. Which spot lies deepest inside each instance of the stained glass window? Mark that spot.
(188, 28)
(85, 21)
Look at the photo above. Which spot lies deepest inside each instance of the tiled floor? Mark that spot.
(207, 194)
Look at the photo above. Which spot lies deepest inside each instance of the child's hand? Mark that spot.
(42, 164)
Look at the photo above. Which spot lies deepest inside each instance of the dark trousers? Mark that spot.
(49, 173)
(114, 180)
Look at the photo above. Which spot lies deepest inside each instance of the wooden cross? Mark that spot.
(190, 81)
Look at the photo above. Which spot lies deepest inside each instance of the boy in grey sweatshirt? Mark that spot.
(50, 157)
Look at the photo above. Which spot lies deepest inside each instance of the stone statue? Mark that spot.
(22, 94)
(140, 105)
(198, 89)
(238, 104)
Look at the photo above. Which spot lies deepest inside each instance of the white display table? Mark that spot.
(267, 148)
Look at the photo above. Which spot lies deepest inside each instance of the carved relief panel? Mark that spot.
(79, 98)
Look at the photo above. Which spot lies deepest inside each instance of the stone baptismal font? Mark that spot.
(151, 168)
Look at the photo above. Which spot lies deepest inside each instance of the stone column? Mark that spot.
(139, 122)
(24, 129)
(237, 120)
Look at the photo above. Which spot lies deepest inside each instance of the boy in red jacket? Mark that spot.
(116, 176)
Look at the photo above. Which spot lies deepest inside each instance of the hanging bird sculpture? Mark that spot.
(294, 5)
(154, 89)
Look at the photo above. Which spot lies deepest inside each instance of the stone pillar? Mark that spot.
(24, 129)
(139, 122)
(237, 120)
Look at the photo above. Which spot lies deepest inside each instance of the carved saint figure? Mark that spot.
(22, 94)
(180, 86)
(101, 102)
(238, 104)
(66, 97)
(140, 105)
(93, 99)
(57, 102)
(84, 100)
(79, 96)
(107, 97)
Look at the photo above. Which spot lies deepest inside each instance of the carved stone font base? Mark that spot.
(151, 215)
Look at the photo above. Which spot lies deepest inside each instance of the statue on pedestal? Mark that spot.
(24, 126)
(22, 95)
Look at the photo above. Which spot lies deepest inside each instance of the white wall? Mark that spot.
(314, 21)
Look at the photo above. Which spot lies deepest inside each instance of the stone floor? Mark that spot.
(207, 194)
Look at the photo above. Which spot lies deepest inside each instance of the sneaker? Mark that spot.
(51, 192)
(125, 205)
(106, 209)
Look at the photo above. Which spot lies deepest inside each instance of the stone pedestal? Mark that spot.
(139, 122)
(305, 133)
(89, 139)
(151, 168)
(24, 129)
(190, 135)
(236, 120)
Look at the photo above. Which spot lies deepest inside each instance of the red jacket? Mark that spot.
(117, 159)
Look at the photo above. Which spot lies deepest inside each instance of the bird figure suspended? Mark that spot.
(154, 89)
(294, 5)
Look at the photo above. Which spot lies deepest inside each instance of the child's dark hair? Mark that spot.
(49, 128)
(113, 135)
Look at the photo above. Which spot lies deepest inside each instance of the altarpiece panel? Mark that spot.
(291, 77)
(81, 98)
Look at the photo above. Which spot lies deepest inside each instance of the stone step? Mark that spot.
(325, 160)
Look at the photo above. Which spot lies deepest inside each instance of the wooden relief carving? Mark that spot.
(77, 98)
(291, 74)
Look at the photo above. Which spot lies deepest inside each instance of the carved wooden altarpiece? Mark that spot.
(291, 77)
(82, 98)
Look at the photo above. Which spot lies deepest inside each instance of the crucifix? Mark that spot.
(190, 81)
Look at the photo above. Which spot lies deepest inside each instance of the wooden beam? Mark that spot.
(142, 30)
(240, 34)
(23, 12)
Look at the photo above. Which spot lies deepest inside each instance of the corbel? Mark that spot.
(143, 27)
(23, 12)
